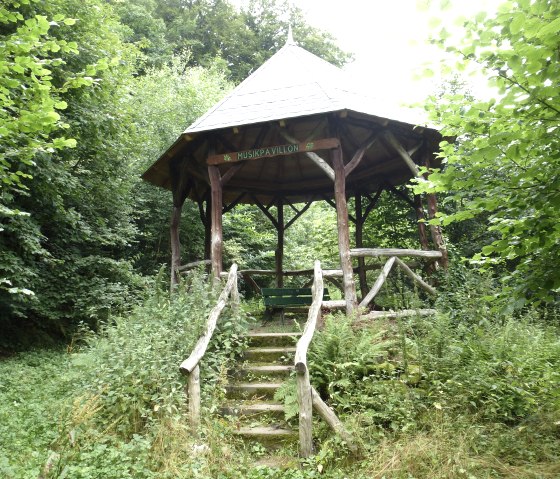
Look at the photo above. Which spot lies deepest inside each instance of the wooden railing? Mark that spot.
(307, 396)
(190, 366)
(394, 259)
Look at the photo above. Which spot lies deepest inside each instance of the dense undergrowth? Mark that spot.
(466, 393)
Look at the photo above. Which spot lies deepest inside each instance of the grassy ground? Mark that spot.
(35, 387)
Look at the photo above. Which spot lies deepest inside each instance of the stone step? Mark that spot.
(272, 339)
(251, 390)
(271, 354)
(264, 370)
(254, 409)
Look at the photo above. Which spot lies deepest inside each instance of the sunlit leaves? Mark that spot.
(505, 163)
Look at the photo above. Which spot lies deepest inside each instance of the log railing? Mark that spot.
(190, 366)
(308, 398)
(395, 256)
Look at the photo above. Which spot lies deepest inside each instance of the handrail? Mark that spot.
(304, 391)
(308, 398)
(190, 366)
(417, 253)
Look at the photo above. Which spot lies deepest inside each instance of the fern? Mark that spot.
(287, 394)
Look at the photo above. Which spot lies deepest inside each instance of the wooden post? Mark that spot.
(419, 208)
(343, 231)
(175, 246)
(279, 253)
(360, 220)
(305, 404)
(216, 245)
(193, 393)
(208, 226)
(435, 230)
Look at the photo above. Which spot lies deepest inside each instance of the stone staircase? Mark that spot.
(267, 363)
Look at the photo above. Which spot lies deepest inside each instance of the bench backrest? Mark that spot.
(289, 296)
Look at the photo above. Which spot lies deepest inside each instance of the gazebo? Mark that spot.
(293, 133)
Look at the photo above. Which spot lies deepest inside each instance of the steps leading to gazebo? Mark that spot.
(250, 395)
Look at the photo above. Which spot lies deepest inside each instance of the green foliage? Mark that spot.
(30, 122)
(214, 31)
(130, 387)
(34, 387)
(164, 101)
(78, 201)
(504, 164)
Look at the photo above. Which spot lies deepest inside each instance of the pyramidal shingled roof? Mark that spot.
(292, 83)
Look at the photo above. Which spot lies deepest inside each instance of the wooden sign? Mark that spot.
(272, 151)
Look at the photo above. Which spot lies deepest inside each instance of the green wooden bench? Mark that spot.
(280, 299)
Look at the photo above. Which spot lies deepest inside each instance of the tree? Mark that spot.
(505, 162)
(69, 248)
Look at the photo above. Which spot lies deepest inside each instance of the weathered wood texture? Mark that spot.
(412, 275)
(378, 283)
(313, 156)
(272, 151)
(359, 242)
(190, 366)
(343, 231)
(279, 253)
(397, 314)
(193, 398)
(332, 420)
(421, 217)
(305, 401)
(357, 252)
(175, 246)
(216, 245)
(200, 348)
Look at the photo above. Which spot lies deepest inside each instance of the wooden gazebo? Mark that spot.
(292, 133)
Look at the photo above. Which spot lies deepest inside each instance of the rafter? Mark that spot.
(312, 155)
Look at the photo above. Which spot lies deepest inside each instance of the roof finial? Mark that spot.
(290, 39)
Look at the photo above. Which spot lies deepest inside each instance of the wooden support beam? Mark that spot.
(208, 226)
(357, 158)
(391, 140)
(417, 279)
(279, 253)
(378, 283)
(435, 230)
(313, 156)
(372, 202)
(297, 215)
(216, 208)
(228, 175)
(234, 203)
(403, 196)
(329, 416)
(420, 217)
(360, 220)
(343, 231)
(175, 245)
(264, 209)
